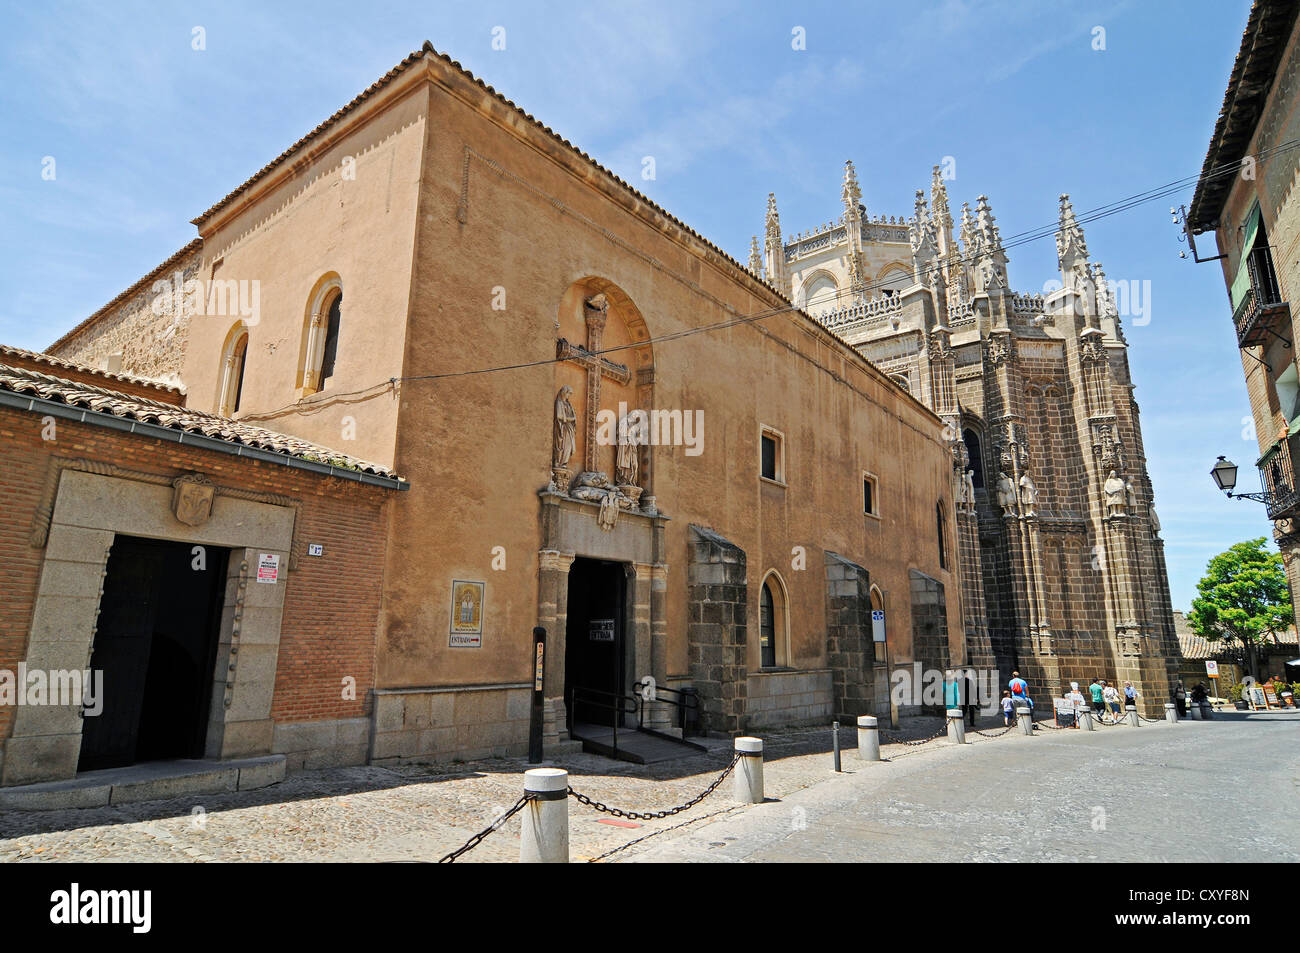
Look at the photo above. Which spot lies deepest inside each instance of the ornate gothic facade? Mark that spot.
(1061, 563)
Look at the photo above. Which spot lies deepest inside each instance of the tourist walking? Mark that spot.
(1008, 709)
(1180, 699)
(1130, 695)
(1110, 694)
(1094, 690)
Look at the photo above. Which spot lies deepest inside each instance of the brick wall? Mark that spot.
(331, 603)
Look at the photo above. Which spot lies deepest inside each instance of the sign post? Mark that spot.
(1211, 668)
(535, 714)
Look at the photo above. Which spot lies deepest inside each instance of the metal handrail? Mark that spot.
(685, 702)
(618, 709)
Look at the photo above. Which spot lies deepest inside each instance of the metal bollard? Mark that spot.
(835, 741)
(868, 738)
(1026, 719)
(749, 772)
(1195, 711)
(1132, 712)
(956, 726)
(544, 838)
(1085, 719)
(1171, 713)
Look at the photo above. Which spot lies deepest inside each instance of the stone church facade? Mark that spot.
(1061, 562)
(602, 424)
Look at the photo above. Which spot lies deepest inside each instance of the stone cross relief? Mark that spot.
(593, 484)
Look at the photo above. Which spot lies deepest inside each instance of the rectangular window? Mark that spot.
(869, 495)
(772, 463)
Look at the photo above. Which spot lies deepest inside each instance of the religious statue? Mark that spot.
(1028, 495)
(1006, 494)
(1115, 490)
(1155, 521)
(566, 424)
(627, 462)
(595, 487)
(963, 492)
(970, 490)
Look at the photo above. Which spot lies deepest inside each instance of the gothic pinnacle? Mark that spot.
(1070, 232)
(755, 257)
(851, 193)
(773, 225)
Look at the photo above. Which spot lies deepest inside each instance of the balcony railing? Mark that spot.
(1277, 469)
(1261, 317)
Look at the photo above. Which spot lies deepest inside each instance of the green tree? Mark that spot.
(1244, 600)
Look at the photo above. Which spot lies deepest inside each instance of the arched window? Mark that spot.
(773, 622)
(972, 441)
(941, 518)
(878, 624)
(234, 356)
(320, 336)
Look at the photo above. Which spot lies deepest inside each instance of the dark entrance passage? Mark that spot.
(156, 645)
(594, 643)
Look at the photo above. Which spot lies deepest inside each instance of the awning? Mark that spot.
(1241, 284)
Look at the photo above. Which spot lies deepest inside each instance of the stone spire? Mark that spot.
(988, 259)
(940, 214)
(1071, 249)
(967, 228)
(774, 249)
(755, 257)
(855, 259)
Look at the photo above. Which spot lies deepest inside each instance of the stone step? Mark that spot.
(153, 781)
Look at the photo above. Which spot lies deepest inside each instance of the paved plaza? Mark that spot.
(1196, 791)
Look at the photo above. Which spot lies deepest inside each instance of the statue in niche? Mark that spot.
(1028, 495)
(963, 493)
(566, 425)
(969, 481)
(627, 460)
(1115, 490)
(1006, 494)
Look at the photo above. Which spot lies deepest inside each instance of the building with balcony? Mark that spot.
(1247, 196)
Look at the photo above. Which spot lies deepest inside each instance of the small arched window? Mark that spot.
(941, 517)
(772, 622)
(234, 358)
(320, 336)
(879, 634)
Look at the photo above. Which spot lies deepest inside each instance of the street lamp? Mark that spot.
(1224, 473)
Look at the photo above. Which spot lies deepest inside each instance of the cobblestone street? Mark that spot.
(1003, 798)
(414, 812)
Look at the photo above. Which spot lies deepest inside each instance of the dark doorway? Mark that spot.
(156, 645)
(593, 654)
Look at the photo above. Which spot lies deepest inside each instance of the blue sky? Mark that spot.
(147, 132)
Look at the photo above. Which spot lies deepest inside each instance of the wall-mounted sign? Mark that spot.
(1212, 668)
(268, 567)
(539, 668)
(601, 630)
(315, 549)
(877, 625)
(466, 614)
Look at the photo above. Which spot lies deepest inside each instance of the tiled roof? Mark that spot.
(1197, 648)
(1267, 32)
(20, 380)
(63, 364)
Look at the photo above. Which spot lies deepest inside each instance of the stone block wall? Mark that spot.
(849, 648)
(717, 631)
(790, 698)
(929, 622)
(462, 723)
